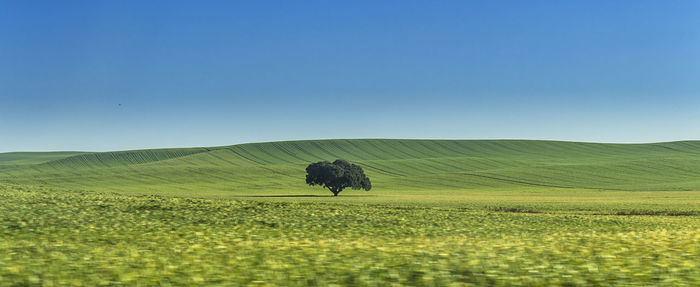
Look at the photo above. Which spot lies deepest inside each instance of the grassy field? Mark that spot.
(15, 159)
(393, 165)
(493, 212)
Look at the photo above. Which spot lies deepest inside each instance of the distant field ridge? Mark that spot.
(391, 163)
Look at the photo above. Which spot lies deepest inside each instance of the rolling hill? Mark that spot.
(22, 158)
(392, 164)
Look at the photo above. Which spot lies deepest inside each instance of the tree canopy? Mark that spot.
(337, 176)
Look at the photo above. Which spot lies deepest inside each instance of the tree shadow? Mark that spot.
(305, 195)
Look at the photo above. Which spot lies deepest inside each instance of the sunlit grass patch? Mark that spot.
(60, 238)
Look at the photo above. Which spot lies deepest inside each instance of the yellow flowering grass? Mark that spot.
(70, 238)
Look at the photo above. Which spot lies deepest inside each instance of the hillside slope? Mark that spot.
(392, 165)
(22, 158)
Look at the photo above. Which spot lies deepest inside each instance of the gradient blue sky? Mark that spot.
(115, 75)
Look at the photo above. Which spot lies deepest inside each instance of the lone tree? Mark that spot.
(337, 175)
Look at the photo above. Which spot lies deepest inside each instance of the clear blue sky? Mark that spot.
(115, 75)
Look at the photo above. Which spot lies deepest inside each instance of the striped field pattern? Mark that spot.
(392, 165)
(440, 213)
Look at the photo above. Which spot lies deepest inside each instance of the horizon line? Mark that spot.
(330, 139)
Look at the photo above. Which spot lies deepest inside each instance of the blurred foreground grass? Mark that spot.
(69, 238)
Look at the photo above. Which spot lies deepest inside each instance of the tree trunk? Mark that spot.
(335, 191)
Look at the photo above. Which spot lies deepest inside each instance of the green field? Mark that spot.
(441, 212)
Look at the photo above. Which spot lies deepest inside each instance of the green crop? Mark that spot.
(59, 238)
(393, 165)
(440, 213)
